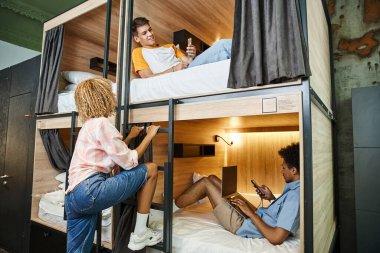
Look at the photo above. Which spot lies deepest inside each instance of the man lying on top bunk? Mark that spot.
(275, 222)
(153, 59)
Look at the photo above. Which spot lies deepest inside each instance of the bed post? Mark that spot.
(168, 183)
(72, 146)
(107, 38)
(117, 208)
(307, 145)
(120, 64)
(127, 68)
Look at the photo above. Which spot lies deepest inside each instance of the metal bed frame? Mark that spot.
(308, 96)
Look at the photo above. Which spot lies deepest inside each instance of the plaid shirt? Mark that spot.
(99, 148)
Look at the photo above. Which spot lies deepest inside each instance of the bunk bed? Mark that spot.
(304, 107)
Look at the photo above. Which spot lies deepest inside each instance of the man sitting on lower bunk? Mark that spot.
(275, 222)
(152, 59)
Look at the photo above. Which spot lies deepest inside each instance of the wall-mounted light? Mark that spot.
(216, 138)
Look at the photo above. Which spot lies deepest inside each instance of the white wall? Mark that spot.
(11, 54)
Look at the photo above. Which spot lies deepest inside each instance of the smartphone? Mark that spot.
(256, 185)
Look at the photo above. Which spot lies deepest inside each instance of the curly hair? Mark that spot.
(94, 98)
(291, 155)
(137, 22)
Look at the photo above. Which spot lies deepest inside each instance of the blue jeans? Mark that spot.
(93, 195)
(220, 51)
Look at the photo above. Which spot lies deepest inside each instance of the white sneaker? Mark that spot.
(148, 238)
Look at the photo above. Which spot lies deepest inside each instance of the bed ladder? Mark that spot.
(167, 206)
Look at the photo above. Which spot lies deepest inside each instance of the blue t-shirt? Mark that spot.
(284, 212)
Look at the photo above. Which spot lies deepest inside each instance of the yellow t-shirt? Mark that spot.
(156, 59)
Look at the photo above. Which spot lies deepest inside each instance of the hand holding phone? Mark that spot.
(263, 191)
(190, 50)
(258, 189)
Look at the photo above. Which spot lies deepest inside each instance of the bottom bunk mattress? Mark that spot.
(200, 232)
(51, 208)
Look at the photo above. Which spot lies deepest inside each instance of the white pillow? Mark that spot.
(77, 76)
(70, 87)
(61, 177)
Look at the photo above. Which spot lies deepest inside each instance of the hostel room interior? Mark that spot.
(207, 124)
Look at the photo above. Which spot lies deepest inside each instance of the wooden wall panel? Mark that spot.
(195, 132)
(208, 20)
(43, 175)
(84, 39)
(319, 51)
(256, 155)
(323, 184)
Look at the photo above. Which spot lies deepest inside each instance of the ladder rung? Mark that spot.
(163, 130)
(157, 206)
(158, 246)
(161, 168)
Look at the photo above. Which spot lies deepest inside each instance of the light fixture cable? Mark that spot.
(216, 140)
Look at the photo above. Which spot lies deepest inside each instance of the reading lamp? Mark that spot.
(216, 138)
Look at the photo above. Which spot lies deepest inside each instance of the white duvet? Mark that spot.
(208, 78)
(201, 233)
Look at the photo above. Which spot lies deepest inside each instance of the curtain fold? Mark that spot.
(56, 150)
(124, 229)
(47, 95)
(268, 44)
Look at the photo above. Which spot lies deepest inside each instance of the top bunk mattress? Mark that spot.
(208, 78)
(204, 79)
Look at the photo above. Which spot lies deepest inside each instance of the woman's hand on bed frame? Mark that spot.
(151, 131)
(135, 131)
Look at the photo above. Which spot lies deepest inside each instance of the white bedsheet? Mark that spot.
(66, 101)
(51, 210)
(202, 79)
(200, 232)
(208, 78)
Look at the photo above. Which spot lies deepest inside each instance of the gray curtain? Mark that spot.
(268, 44)
(56, 150)
(47, 96)
(124, 229)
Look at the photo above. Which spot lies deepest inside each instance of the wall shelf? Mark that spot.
(182, 150)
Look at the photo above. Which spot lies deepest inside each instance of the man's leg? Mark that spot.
(207, 186)
(220, 51)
